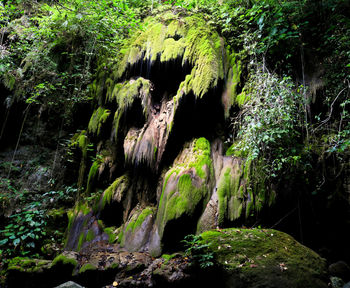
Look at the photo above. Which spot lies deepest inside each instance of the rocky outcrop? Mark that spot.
(167, 95)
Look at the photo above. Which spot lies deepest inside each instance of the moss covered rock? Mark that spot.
(23, 264)
(124, 94)
(83, 228)
(186, 190)
(137, 230)
(115, 202)
(265, 258)
(98, 118)
(29, 272)
(168, 38)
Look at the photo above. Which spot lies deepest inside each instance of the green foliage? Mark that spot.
(198, 251)
(53, 49)
(270, 122)
(25, 230)
(60, 197)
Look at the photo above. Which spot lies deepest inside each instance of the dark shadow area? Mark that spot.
(316, 218)
(165, 76)
(11, 118)
(112, 214)
(176, 230)
(195, 117)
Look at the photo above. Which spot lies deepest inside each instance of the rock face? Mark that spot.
(154, 130)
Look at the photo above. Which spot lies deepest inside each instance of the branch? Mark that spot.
(331, 109)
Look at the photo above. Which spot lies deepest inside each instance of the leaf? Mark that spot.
(16, 241)
(3, 241)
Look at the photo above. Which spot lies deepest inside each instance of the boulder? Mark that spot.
(340, 269)
(264, 258)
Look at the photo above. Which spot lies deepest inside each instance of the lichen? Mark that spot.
(184, 197)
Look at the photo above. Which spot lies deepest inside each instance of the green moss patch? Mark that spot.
(231, 96)
(186, 184)
(189, 38)
(64, 260)
(112, 236)
(81, 141)
(124, 95)
(119, 186)
(262, 256)
(87, 267)
(98, 118)
(93, 173)
(230, 194)
(137, 221)
(24, 264)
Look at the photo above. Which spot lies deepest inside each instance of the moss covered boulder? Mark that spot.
(264, 258)
(25, 272)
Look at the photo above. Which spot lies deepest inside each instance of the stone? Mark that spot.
(69, 284)
(340, 269)
(264, 258)
(336, 282)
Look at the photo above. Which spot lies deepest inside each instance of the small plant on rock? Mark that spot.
(198, 251)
